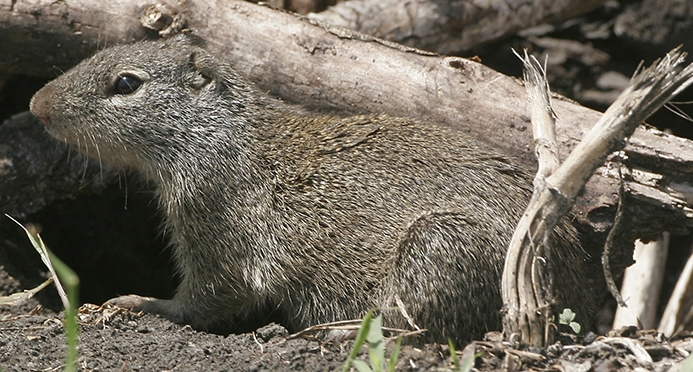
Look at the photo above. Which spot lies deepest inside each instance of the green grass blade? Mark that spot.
(394, 355)
(468, 362)
(71, 281)
(453, 355)
(376, 344)
(360, 340)
(361, 366)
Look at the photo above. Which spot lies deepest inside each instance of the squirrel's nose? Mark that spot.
(40, 105)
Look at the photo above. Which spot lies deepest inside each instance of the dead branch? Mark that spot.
(524, 290)
(678, 315)
(642, 283)
(525, 284)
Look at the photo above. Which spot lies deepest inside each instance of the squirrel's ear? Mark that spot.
(186, 39)
(203, 68)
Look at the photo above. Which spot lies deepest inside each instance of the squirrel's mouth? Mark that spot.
(46, 120)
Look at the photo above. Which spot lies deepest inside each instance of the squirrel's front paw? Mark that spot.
(150, 305)
(132, 302)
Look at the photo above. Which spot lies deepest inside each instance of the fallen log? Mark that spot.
(323, 66)
(450, 26)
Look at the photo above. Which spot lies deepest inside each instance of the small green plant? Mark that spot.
(567, 317)
(467, 363)
(453, 356)
(687, 364)
(372, 331)
(60, 272)
(71, 281)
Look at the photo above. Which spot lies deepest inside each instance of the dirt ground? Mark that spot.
(32, 339)
(587, 62)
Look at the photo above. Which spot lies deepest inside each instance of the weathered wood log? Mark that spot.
(35, 169)
(449, 26)
(327, 66)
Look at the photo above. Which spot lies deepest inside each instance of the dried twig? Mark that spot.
(349, 325)
(616, 230)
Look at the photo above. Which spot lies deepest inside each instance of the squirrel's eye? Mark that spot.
(127, 84)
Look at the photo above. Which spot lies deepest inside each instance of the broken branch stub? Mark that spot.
(523, 287)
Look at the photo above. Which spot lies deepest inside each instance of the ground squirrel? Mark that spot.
(319, 217)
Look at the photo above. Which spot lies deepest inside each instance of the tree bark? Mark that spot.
(292, 58)
(449, 27)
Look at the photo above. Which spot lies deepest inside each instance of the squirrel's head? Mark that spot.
(134, 105)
